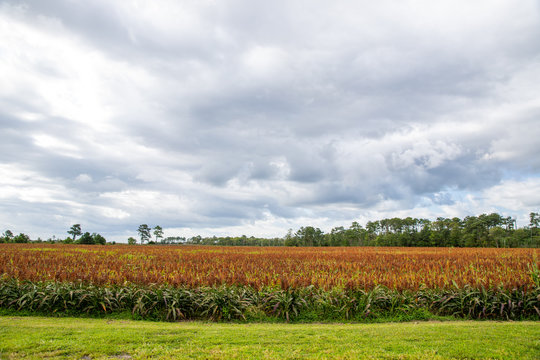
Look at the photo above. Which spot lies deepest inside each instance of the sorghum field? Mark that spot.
(283, 282)
(327, 268)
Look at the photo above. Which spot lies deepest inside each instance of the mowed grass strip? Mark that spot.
(75, 338)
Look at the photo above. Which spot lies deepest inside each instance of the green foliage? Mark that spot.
(310, 236)
(233, 303)
(224, 303)
(485, 230)
(473, 303)
(75, 231)
(98, 239)
(8, 237)
(144, 233)
(68, 240)
(158, 232)
(285, 304)
(534, 271)
(21, 239)
(87, 239)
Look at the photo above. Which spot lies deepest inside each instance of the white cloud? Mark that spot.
(256, 117)
(84, 178)
(518, 196)
(264, 61)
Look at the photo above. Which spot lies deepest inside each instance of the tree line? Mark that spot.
(75, 230)
(485, 230)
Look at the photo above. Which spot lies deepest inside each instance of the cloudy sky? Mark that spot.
(253, 117)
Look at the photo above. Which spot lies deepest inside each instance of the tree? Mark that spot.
(497, 235)
(372, 228)
(356, 234)
(509, 223)
(144, 233)
(533, 225)
(8, 236)
(309, 236)
(425, 233)
(99, 239)
(158, 232)
(132, 241)
(75, 231)
(87, 239)
(290, 239)
(337, 236)
(21, 238)
(534, 220)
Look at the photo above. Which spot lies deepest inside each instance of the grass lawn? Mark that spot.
(76, 338)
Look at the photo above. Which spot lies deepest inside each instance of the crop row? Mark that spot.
(245, 303)
(362, 268)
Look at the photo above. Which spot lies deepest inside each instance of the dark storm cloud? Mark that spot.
(199, 115)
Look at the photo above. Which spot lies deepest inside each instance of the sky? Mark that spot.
(252, 117)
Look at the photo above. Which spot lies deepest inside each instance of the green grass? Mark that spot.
(76, 338)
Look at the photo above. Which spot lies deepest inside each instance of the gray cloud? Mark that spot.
(272, 114)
